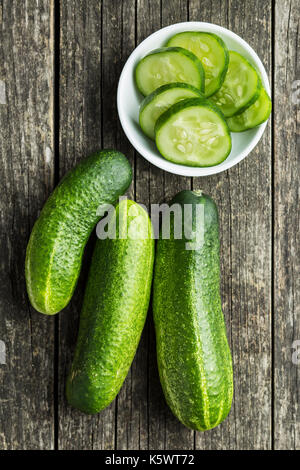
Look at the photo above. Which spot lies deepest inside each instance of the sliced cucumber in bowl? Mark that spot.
(212, 52)
(168, 65)
(241, 86)
(253, 116)
(193, 132)
(160, 100)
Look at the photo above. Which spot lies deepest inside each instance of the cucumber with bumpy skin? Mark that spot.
(114, 310)
(193, 132)
(167, 65)
(212, 52)
(194, 359)
(255, 115)
(160, 100)
(58, 238)
(240, 88)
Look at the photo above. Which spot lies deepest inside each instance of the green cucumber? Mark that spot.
(194, 358)
(160, 100)
(166, 65)
(241, 86)
(114, 310)
(255, 115)
(212, 52)
(193, 132)
(58, 238)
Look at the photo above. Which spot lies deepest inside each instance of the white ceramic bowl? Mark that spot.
(129, 100)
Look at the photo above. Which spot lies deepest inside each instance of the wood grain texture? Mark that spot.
(95, 39)
(148, 189)
(176, 436)
(243, 195)
(26, 172)
(118, 43)
(155, 186)
(286, 226)
(80, 132)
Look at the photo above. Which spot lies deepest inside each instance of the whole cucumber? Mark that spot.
(194, 359)
(59, 236)
(114, 310)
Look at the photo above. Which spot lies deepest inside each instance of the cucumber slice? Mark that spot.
(160, 100)
(212, 52)
(193, 132)
(166, 65)
(241, 86)
(255, 115)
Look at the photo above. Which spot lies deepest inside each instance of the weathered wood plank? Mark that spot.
(26, 172)
(177, 436)
(218, 186)
(80, 134)
(149, 189)
(286, 226)
(155, 186)
(118, 42)
(88, 121)
(243, 195)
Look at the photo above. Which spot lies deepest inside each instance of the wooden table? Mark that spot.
(59, 68)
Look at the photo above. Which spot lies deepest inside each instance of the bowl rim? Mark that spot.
(160, 162)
